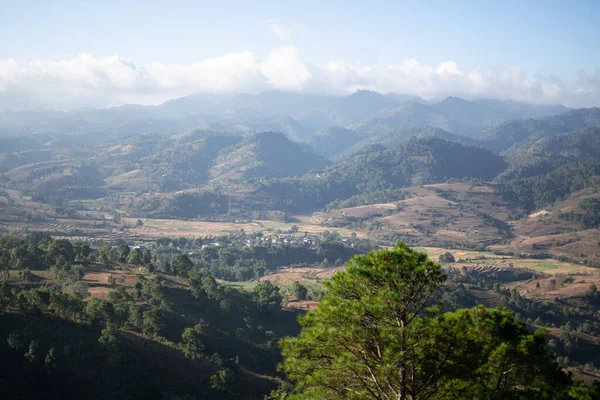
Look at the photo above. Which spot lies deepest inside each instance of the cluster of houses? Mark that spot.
(281, 239)
(264, 240)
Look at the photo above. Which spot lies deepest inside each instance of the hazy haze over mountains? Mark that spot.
(63, 63)
(293, 113)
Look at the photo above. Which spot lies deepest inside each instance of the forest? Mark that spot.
(196, 337)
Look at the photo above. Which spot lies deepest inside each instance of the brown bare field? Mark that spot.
(304, 305)
(177, 228)
(453, 234)
(73, 229)
(99, 225)
(581, 283)
(154, 228)
(545, 231)
(306, 224)
(435, 252)
(582, 245)
(449, 215)
(358, 211)
(97, 280)
(456, 212)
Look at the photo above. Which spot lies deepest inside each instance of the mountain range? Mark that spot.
(295, 114)
(290, 150)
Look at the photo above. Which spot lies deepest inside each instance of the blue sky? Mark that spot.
(546, 40)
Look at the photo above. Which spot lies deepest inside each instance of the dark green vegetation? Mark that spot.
(158, 338)
(504, 136)
(265, 155)
(548, 169)
(376, 335)
(590, 215)
(246, 257)
(238, 257)
(536, 155)
(539, 191)
(415, 162)
(173, 330)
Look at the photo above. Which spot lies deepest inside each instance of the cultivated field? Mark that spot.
(459, 213)
(453, 215)
(488, 259)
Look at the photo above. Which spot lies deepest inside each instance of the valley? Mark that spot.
(210, 240)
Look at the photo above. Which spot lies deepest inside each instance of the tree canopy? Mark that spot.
(377, 335)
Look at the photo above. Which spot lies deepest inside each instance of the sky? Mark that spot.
(69, 54)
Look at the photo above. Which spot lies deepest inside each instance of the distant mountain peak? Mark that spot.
(454, 99)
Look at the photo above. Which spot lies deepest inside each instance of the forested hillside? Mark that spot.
(161, 326)
(153, 333)
(415, 162)
(504, 136)
(265, 155)
(538, 191)
(542, 155)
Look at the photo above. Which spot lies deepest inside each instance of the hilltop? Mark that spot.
(265, 155)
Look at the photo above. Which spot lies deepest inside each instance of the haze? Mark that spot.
(73, 54)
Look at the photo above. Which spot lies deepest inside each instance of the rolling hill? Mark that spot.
(536, 156)
(265, 155)
(414, 162)
(411, 115)
(502, 137)
(396, 137)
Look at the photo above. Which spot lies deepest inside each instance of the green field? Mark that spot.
(549, 266)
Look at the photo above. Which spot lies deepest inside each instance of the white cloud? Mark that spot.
(88, 81)
(281, 31)
(283, 69)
